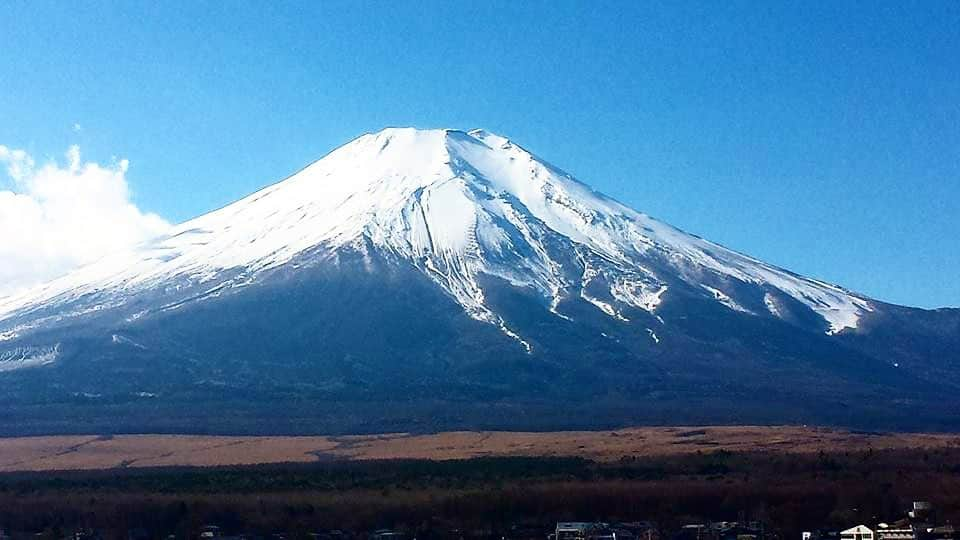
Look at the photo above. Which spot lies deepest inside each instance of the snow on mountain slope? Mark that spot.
(456, 205)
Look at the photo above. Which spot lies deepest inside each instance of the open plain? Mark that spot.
(125, 451)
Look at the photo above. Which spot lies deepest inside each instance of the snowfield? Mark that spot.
(457, 206)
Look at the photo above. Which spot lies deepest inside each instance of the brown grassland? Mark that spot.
(125, 451)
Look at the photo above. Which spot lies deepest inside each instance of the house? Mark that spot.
(589, 530)
(603, 532)
(694, 531)
(899, 530)
(860, 532)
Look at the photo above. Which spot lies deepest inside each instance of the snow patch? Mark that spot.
(638, 294)
(653, 336)
(28, 357)
(771, 303)
(722, 297)
(117, 339)
(589, 273)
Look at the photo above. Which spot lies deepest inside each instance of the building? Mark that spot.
(900, 530)
(860, 532)
(922, 511)
(589, 530)
(723, 530)
(821, 534)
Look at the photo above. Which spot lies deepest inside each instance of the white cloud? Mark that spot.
(57, 217)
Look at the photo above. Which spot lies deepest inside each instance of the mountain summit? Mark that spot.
(443, 267)
(456, 205)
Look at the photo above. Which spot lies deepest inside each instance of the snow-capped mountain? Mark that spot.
(455, 205)
(464, 220)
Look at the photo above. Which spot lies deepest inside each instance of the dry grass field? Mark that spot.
(123, 451)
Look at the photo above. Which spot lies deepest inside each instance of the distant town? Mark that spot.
(918, 523)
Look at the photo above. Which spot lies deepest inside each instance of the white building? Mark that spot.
(860, 532)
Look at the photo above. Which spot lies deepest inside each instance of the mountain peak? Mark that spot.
(417, 137)
(410, 266)
(459, 205)
(423, 142)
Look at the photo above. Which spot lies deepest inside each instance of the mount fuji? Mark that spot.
(441, 279)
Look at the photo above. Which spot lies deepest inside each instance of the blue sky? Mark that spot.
(822, 137)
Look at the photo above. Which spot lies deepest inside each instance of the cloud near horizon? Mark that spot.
(56, 217)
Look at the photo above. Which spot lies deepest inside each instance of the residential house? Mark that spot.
(899, 530)
(860, 532)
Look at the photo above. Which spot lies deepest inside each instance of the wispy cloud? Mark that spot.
(58, 216)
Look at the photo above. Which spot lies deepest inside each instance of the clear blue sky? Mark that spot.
(820, 136)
